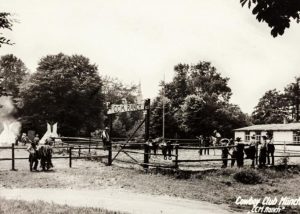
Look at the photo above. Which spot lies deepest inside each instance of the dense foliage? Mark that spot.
(6, 22)
(64, 89)
(276, 106)
(13, 72)
(197, 103)
(276, 13)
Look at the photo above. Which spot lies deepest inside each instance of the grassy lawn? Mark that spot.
(216, 186)
(40, 207)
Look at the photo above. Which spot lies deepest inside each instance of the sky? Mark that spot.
(139, 40)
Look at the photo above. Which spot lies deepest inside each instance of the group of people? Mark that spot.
(38, 152)
(207, 141)
(236, 152)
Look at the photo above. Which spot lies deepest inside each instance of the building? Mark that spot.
(282, 133)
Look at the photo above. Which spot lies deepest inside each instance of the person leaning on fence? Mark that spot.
(33, 156)
(163, 147)
(225, 152)
(239, 152)
(263, 152)
(206, 144)
(169, 149)
(251, 150)
(201, 143)
(270, 149)
(233, 155)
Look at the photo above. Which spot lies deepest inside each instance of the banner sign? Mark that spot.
(126, 108)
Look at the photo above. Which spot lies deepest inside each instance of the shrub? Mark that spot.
(248, 176)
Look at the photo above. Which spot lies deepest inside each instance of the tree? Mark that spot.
(276, 13)
(14, 72)
(116, 92)
(67, 90)
(5, 23)
(198, 103)
(271, 108)
(292, 97)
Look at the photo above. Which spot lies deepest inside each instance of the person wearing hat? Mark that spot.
(251, 151)
(225, 153)
(105, 137)
(270, 148)
(263, 152)
(239, 152)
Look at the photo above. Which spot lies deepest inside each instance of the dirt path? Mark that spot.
(115, 199)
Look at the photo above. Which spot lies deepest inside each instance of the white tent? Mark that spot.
(10, 132)
(51, 132)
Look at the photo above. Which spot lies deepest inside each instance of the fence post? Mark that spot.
(13, 157)
(70, 157)
(176, 157)
(109, 158)
(146, 155)
(79, 150)
(90, 146)
(147, 133)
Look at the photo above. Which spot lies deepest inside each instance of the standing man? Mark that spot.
(239, 153)
(270, 149)
(263, 152)
(105, 137)
(33, 159)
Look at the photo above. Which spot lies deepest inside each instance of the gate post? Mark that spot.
(70, 157)
(109, 159)
(13, 157)
(147, 133)
(176, 157)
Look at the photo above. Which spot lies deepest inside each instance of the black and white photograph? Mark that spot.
(149, 107)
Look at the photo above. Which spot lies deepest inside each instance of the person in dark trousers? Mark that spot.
(225, 153)
(105, 137)
(169, 149)
(206, 144)
(233, 156)
(251, 151)
(163, 147)
(270, 149)
(201, 144)
(239, 153)
(263, 152)
(33, 157)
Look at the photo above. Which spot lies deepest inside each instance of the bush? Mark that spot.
(248, 176)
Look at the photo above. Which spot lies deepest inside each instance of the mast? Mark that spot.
(163, 102)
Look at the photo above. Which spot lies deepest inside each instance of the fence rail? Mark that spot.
(75, 148)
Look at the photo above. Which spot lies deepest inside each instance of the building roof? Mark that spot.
(271, 127)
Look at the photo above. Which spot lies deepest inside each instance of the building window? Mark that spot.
(247, 136)
(296, 136)
(258, 136)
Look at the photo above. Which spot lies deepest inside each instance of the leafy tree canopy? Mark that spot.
(271, 108)
(13, 72)
(276, 13)
(67, 90)
(6, 22)
(198, 103)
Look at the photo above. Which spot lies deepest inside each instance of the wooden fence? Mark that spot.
(75, 147)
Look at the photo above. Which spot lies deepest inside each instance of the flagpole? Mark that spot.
(163, 102)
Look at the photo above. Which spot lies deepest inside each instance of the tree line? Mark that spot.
(276, 106)
(70, 91)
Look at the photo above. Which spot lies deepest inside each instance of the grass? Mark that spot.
(40, 207)
(216, 186)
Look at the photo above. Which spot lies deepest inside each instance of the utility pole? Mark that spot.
(297, 99)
